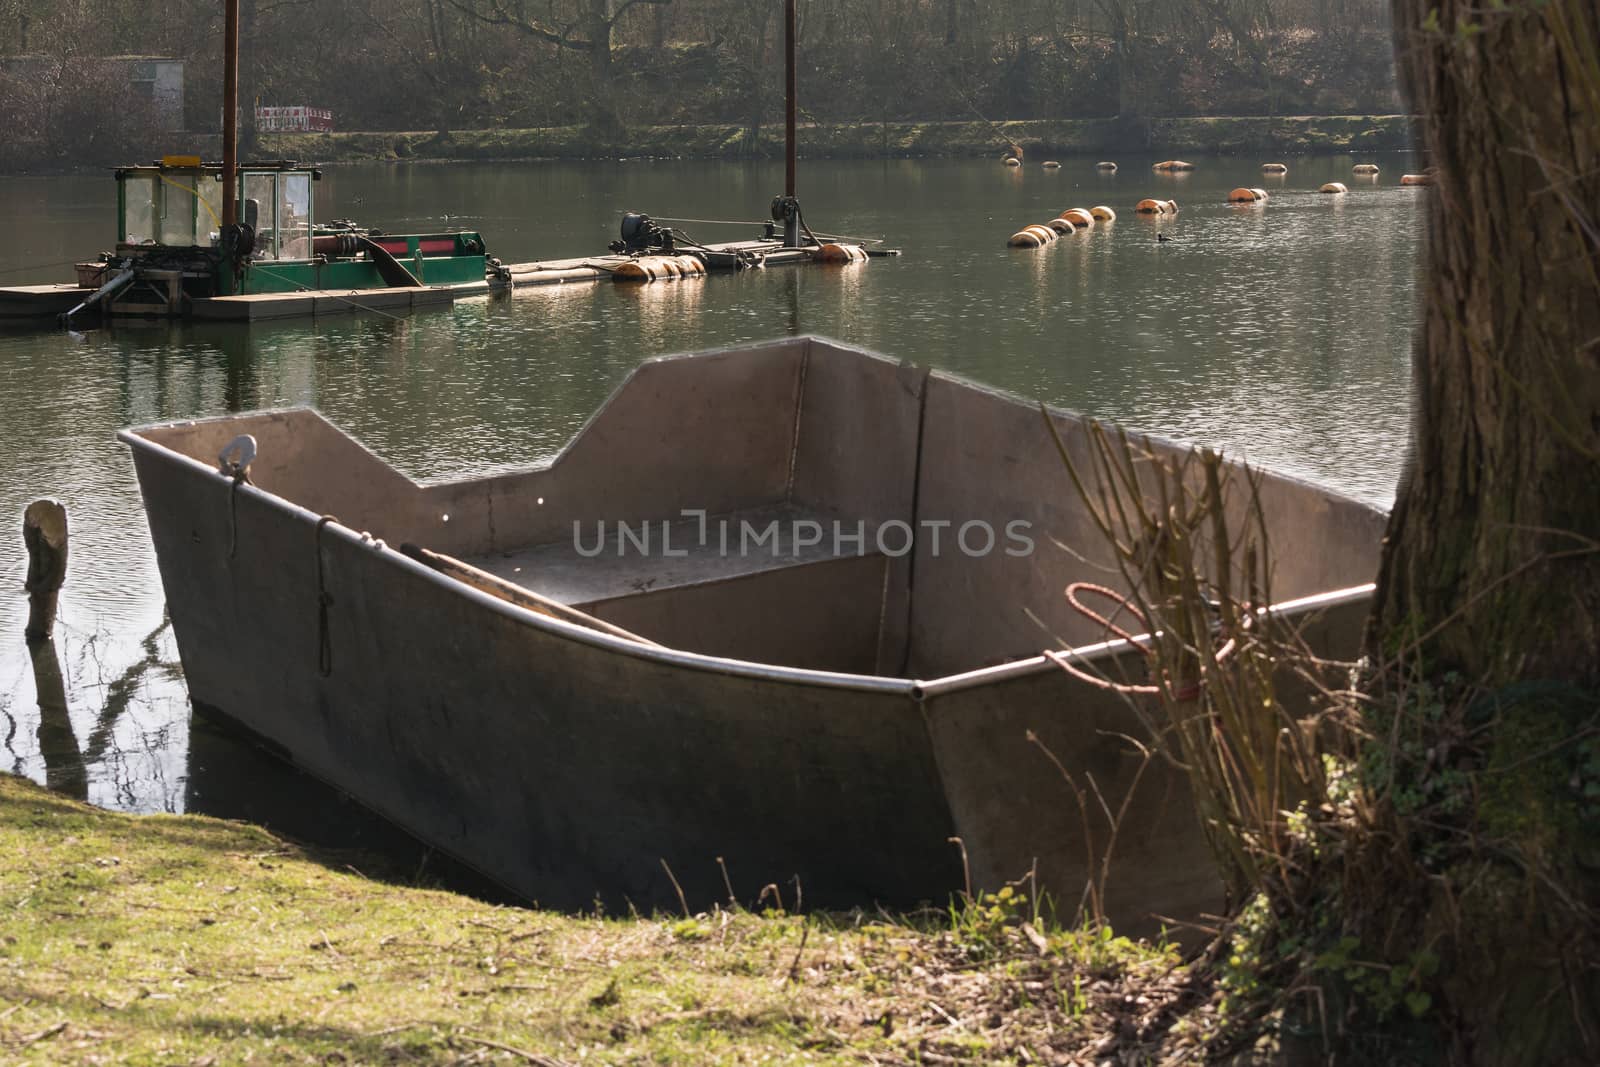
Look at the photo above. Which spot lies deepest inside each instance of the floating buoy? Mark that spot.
(837, 253)
(1103, 213)
(1051, 164)
(1079, 218)
(1105, 164)
(1170, 165)
(1364, 168)
(1013, 161)
(1244, 196)
(1032, 237)
(1416, 179)
(1274, 168)
(1334, 187)
(658, 269)
(1150, 207)
(1261, 194)
(1062, 225)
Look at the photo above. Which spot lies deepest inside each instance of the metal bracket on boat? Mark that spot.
(236, 456)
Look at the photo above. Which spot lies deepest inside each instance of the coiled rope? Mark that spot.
(1062, 658)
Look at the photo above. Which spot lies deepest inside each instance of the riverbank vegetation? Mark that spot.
(160, 939)
(1039, 139)
(608, 68)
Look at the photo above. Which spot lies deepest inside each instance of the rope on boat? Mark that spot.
(1063, 659)
(39, 266)
(303, 289)
(324, 642)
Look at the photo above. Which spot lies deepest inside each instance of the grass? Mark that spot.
(191, 940)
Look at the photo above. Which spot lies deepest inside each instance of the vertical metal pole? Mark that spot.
(230, 113)
(788, 97)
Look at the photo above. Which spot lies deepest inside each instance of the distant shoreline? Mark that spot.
(1040, 139)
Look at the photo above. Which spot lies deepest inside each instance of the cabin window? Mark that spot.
(294, 216)
(209, 221)
(138, 210)
(178, 197)
(260, 202)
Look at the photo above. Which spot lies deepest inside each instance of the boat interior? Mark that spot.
(758, 504)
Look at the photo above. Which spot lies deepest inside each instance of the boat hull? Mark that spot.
(574, 766)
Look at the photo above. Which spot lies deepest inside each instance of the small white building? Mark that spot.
(153, 79)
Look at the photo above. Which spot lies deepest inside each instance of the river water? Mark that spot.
(1280, 332)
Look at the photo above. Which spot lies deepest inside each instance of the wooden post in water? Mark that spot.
(44, 532)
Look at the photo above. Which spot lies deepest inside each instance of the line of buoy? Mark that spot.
(1274, 168)
(1242, 195)
(1062, 225)
(1148, 206)
(1416, 179)
(1035, 236)
(1102, 213)
(840, 253)
(1364, 168)
(1013, 161)
(1051, 164)
(1079, 218)
(1105, 164)
(1169, 166)
(1336, 188)
(659, 268)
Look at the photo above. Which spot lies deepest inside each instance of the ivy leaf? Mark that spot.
(1419, 1002)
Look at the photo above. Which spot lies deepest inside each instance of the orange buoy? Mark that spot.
(1051, 164)
(1150, 207)
(1013, 161)
(1032, 237)
(839, 253)
(1334, 187)
(1274, 168)
(1062, 225)
(1102, 213)
(1079, 218)
(1416, 179)
(1244, 196)
(1105, 164)
(1171, 165)
(658, 269)
(1364, 168)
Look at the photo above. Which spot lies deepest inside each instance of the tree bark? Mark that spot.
(1484, 646)
(1491, 553)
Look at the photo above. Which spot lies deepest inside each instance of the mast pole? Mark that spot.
(788, 98)
(230, 113)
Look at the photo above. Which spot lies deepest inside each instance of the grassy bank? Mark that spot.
(1039, 139)
(186, 939)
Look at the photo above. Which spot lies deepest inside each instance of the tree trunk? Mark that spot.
(607, 120)
(1485, 640)
(1501, 496)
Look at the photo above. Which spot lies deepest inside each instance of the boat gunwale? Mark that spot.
(559, 627)
(917, 689)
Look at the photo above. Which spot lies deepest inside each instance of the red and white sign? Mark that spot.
(293, 119)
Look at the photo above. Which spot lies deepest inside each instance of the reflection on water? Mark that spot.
(1278, 330)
